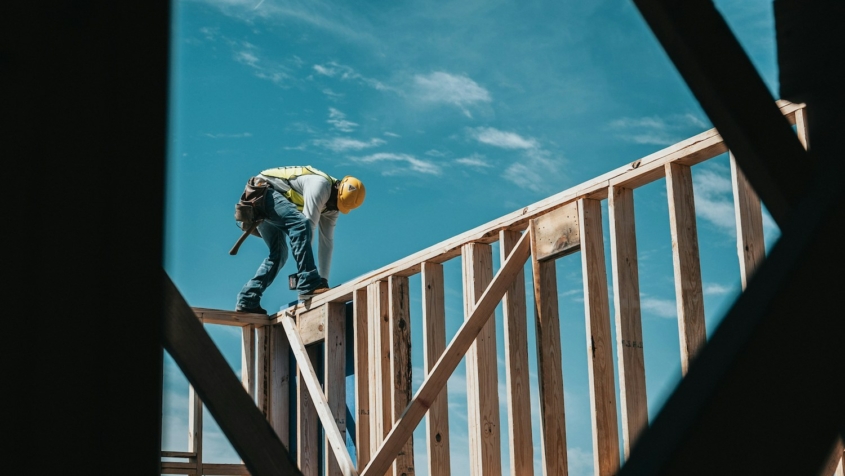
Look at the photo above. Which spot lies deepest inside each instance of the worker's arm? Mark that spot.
(324, 258)
(315, 192)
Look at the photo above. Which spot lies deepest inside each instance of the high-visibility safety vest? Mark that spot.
(289, 173)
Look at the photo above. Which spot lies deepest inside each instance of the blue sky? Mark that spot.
(453, 113)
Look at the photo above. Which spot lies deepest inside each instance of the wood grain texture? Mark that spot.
(225, 469)
(750, 243)
(362, 377)
(248, 359)
(626, 304)
(516, 366)
(230, 318)
(262, 370)
(400, 365)
(549, 367)
(557, 232)
(685, 258)
(307, 421)
(280, 384)
(449, 360)
(379, 361)
(334, 379)
(599, 340)
(481, 368)
(434, 342)
(312, 324)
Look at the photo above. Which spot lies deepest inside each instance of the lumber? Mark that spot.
(195, 429)
(230, 318)
(307, 420)
(750, 243)
(262, 370)
(434, 341)
(335, 378)
(312, 325)
(362, 377)
(457, 348)
(557, 233)
(248, 359)
(400, 364)
(381, 417)
(280, 384)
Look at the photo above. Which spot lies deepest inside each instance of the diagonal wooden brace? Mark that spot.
(449, 360)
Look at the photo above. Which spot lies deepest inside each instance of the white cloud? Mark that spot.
(338, 120)
(659, 307)
(346, 73)
(536, 171)
(474, 160)
(505, 140)
(441, 87)
(413, 164)
(228, 136)
(391, 134)
(714, 198)
(328, 92)
(711, 289)
(656, 130)
(247, 54)
(340, 144)
(436, 153)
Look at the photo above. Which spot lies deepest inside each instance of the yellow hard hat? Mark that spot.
(350, 194)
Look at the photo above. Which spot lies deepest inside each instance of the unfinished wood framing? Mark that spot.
(549, 367)
(750, 244)
(599, 341)
(248, 359)
(481, 368)
(280, 384)
(194, 429)
(379, 363)
(362, 377)
(434, 342)
(688, 288)
(307, 422)
(334, 380)
(557, 233)
(262, 370)
(626, 305)
(516, 366)
(400, 365)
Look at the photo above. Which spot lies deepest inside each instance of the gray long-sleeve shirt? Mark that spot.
(315, 191)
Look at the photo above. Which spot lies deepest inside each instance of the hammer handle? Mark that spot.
(238, 243)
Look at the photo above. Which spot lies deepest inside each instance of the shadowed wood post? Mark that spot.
(549, 367)
(195, 429)
(362, 377)
(248, 359)
(280, 384)
(262, 370)
(434, 341)
(400, 365)
(516, 366)
(750, 245)
(307, 422)
(626, 304)
(688, 289)
(599, 342)
(482, 368)
(334, 381)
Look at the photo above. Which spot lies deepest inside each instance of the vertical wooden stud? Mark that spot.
(481, 365)
(248, 358)
(516, 366)
(262, 370)
(334, 381)
(400, 364)
(195, 429)
(750, 245)
(307, 422)
(688, 289)
(381, 417)
(434, 341)
(626, 304)
(599, 342)
(549, 367)
(362, 377)
(801, 127)
(280, 384)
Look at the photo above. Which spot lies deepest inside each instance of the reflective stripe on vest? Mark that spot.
(289, 173)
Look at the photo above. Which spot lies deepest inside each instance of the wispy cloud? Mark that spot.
(474, 160)
(713, 289)
(338, 120)
(405, 163)
(714, 197)
(536, 171)
(333, 69)
(249, 55)
(436, 153)
(239, 135)
(340, 144)
(656, 130)
(457, 90)
(659, 307)
(392, 134)
(502, 139)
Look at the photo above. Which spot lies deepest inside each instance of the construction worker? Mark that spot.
(300, 200)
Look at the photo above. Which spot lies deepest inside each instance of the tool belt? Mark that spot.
(249, 210)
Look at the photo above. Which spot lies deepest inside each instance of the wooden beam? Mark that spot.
(557, 233)
(307, 421)
(626, 304)
(642, 171)
(750, 244)
(400, 364)
(516, 366)
(309, 378)
(211, 376)
(381, 416)
(599, 341)
(262, 370)
(248, 359)
(362, 377)
(178, 454)
(230, 318)
(335, 378)
(434, 342)
(225, 469)
(195, 429)
(688, 288)
(801, 127)
(312, 324)
(280, 384)
(481, 367)
(436, 380)
(549, 367)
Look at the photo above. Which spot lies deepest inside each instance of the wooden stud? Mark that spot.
(262, 370)
(750, 245)
(362, 377)
(335, 377)
(516, 366)
(626, 304)
(448, 362)
(481, 367)
(549, 367)
(248, 359)
(379, 362)
(400, 364)
(688, 289)
(195, 429)
(312, 324)
(557, 232)
(434, 341)
(599, 341)
(801, 127)
(307, 421)
(280, 384)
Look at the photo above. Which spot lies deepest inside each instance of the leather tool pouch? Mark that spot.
(249, 209)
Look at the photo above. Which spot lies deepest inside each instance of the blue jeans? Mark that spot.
(283, 222)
